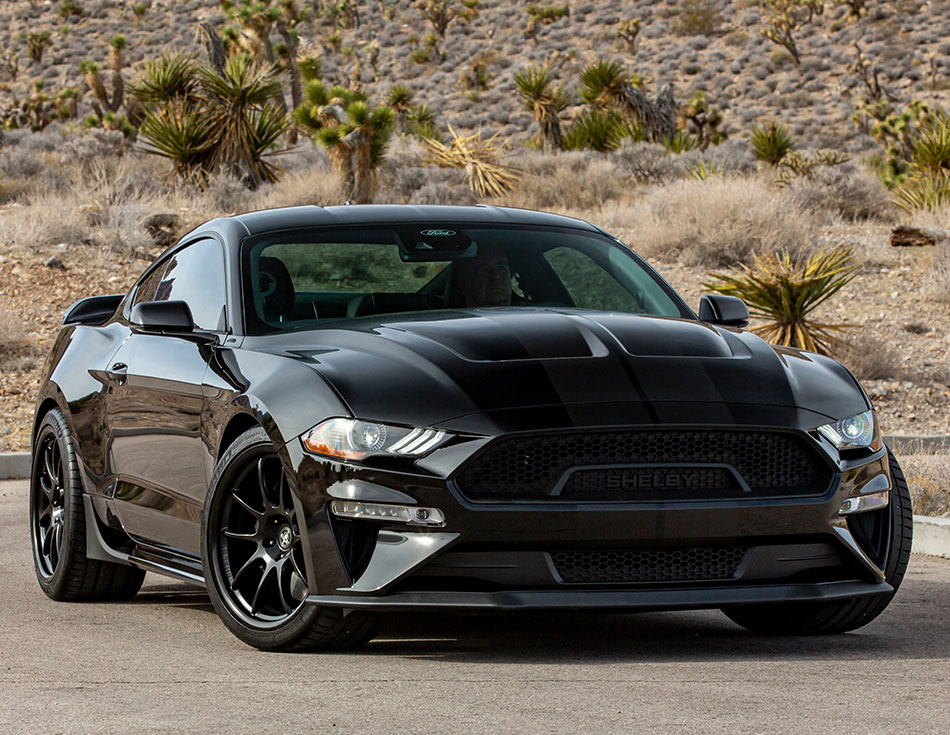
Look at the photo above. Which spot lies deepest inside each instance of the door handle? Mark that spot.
(118, 372)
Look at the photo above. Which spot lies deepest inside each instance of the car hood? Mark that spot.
(434, 368)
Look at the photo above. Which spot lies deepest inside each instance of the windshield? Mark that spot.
(302, 279)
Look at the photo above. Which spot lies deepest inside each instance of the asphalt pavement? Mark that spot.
(165, 663)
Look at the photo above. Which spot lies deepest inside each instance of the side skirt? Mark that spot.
(147, 557)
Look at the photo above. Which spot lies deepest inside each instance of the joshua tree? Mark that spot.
(37, 43)
(355, 135)
(90, 70)
(546, 102)
(440, 13)
(606, 85)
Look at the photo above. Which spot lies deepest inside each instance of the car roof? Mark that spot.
(289, 218)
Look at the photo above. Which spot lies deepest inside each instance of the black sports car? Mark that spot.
(328, 414)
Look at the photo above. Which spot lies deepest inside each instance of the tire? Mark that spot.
(839, 617)
(58, 525)
(252, 554)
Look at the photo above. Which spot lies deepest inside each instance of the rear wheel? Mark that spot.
(253, 557)
(58, 525)
(890, 532)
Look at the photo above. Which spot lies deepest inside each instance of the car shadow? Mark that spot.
(913, 627)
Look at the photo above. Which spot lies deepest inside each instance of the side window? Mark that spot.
(148, 287)
(195, 275)
(590, 286)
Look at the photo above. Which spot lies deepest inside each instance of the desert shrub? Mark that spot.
(696, 18)
(869, 358)
(718, 222)
(928, 479)
(847, 191)
(784, 292)
(647, 163)
(539, 15)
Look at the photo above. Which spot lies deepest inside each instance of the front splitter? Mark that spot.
(694, 598)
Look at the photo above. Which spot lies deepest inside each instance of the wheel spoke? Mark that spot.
(235, 534)
(262, 484)
(57, 466)
(288, 608)
(298, 585)
(48, 539)
(260, 585)
(48, 465)
(247, 506)
(46, 485)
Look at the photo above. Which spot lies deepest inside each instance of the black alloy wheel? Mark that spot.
(253, 547)
(259, 545)
(48, 503)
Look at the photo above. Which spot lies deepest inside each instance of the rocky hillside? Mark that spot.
(467, 78)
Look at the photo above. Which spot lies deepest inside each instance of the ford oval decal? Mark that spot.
(437, 233)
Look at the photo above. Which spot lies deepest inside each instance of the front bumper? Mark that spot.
(804, 550)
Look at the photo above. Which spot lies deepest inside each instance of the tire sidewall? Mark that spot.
(249, 446)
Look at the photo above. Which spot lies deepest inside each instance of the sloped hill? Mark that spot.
(709, 45)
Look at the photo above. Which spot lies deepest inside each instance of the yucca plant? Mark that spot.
(399, 98)
(703, 171)
(354, 134)
(771, 143)
(421, 123)
(680, 142)
(36, 43)
(597, 130)
(546, 101)
(208, 122)
(185, 136)
(784, 292)
(928, 183)
(606, 85)
(169, 78)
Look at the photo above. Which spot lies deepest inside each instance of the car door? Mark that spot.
(157, 451)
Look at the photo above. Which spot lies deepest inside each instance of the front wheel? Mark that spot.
(253, 557)
(815, 618)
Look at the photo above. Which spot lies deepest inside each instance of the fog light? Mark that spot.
(386, 512)
(872, 501)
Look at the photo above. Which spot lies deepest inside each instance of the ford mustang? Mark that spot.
(330, 415)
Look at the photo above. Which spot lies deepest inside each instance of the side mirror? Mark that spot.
(94, 310)
(715, 308)
(162, 316)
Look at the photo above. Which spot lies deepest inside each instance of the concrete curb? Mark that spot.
(15, 466)
(931, 536)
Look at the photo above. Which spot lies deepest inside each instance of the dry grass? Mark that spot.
(937, 281)
(716, 222)
(18, 348)
(928, 477)
(848, 192)
(869, 358)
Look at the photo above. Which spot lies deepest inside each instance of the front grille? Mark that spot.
(648, 565)
(639, 466)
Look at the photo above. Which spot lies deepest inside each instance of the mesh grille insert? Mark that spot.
(645, 465)
(648, 565)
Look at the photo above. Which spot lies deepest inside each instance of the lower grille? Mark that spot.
(648, 565)
(644, 466)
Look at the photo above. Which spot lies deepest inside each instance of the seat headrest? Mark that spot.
(276, 288)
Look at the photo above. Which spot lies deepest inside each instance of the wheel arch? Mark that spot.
(237, 425)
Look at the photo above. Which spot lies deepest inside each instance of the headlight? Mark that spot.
(854, 432)
(355, 439)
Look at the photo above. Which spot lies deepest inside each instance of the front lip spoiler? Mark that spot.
(695, 598)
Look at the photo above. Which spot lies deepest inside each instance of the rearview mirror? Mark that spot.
(162, 316)
(716, 308)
